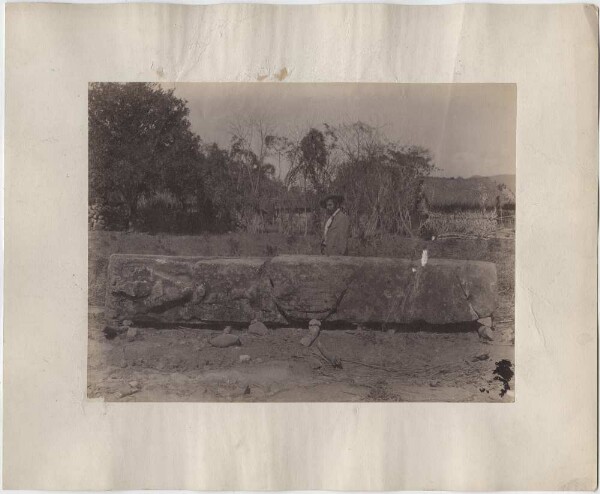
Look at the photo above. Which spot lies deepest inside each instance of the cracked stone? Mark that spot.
(289, 289)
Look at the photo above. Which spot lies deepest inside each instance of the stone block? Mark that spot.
(286, 289)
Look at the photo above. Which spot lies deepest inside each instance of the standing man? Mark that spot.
(337, 228)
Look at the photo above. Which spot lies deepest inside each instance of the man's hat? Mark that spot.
(338, 199)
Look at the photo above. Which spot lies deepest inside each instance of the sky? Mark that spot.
(468, 128)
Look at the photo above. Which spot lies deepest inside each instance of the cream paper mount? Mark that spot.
(55, 438)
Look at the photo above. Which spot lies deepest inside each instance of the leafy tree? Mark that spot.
(312, 160)
(227, 198)
(140, 143)
(381, 180)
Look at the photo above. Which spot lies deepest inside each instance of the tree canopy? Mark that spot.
(144, 157)
(140, 143)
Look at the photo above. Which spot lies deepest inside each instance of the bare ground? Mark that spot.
(181, 365)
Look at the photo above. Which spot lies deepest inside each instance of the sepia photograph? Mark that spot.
(267, 247)
(301, 242)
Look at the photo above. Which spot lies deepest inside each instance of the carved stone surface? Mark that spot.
(285, 289)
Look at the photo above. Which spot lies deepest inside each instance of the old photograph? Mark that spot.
(295, 242)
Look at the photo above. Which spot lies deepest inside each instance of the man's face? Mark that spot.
(330, 206)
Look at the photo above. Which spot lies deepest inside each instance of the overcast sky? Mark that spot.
(468, 128)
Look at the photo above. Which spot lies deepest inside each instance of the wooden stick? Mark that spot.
(369, 365)
(334, 360)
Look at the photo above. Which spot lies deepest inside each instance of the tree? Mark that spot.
(253, 142)
(280, 147)
(312, 160)
(226, 199)
(359, 141)
(140, 143)
(381, 180)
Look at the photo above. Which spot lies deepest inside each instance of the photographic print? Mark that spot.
(277, 247)
(268, 242)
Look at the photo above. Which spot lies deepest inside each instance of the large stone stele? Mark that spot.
(169, 290)
(286, 289)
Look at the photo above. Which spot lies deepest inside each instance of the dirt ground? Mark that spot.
(181, 365)
(420, 364)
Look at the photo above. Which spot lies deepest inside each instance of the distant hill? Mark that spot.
(469, 193)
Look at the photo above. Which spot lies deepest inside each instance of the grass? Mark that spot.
(473, 223)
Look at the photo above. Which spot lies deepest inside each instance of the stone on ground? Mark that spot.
(131, 334)
(258, 328)
(313, 334)
(225, 340)
(485, 333)
(485, 321)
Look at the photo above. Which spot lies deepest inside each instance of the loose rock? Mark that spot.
(227, 330)
(244, 358)
(225, 340)
(258, 328)
(485, 321)
(314, 328)
(110, 332)
(485, 333)
(131, 334)
(127, 392)
(134, 384)
(312, 336)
